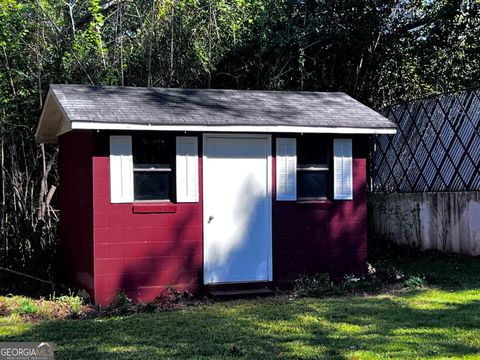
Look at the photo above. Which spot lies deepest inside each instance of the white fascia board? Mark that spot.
(231, 128)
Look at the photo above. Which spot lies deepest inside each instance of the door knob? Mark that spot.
(210, 218)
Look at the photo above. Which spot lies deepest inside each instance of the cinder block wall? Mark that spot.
(75, 250)
(323, 237)
(140, 251)
(141, 248)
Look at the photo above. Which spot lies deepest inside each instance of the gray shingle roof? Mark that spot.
(209, 107)
(136, 105)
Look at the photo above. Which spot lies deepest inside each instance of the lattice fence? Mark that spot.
(436, 148)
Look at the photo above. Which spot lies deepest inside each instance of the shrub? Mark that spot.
(387, 273)
(46, 309)
(27, 307)
(352, 284)
(375, 280)
(73, 302)
(172, 293)
(317, 285)
(121, 302)
(149, 307)
(416, 282)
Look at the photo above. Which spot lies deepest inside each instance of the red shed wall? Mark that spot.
(142, 249)
(76, 208)
(326, 236)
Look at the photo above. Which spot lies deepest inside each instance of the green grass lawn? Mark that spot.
(442, 321)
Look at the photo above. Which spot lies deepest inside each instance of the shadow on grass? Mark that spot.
(388, 326)
(443, 321)
(445, 271)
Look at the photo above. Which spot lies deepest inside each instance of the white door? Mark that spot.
(237, 208)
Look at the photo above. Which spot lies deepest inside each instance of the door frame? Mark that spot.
(268, 140)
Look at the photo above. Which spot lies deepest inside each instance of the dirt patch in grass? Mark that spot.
(40, 309)
(73, 307)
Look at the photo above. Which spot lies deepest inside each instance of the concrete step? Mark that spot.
(239, 293)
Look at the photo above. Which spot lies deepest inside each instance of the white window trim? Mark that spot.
(121, 171)
(348, 193)
(279, 195)
(186, 198)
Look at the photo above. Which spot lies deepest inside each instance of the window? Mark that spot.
(153, 176)
(313, 175)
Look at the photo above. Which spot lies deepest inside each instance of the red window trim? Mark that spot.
(154, 208)
(316, 203)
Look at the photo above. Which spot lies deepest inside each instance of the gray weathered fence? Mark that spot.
(426, 178)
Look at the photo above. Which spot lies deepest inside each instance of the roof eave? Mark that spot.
(234, 128)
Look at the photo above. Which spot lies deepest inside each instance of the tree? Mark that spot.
(379, 51)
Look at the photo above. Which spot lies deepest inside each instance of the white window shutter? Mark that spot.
(342, 169)
(187, 169)
(286, 164)
(121, 169)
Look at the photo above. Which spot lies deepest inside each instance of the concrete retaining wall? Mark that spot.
(446, 221)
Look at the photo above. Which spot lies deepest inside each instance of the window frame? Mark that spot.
(319, 167)
(171, 170)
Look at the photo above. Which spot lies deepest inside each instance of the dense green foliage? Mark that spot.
(378, 51)
(438, 322)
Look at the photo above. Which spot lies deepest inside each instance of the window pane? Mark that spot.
(151, 152)
(312, 184)
(151, 185)
(312, 150)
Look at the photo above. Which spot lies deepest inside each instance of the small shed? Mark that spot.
(202, 188)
